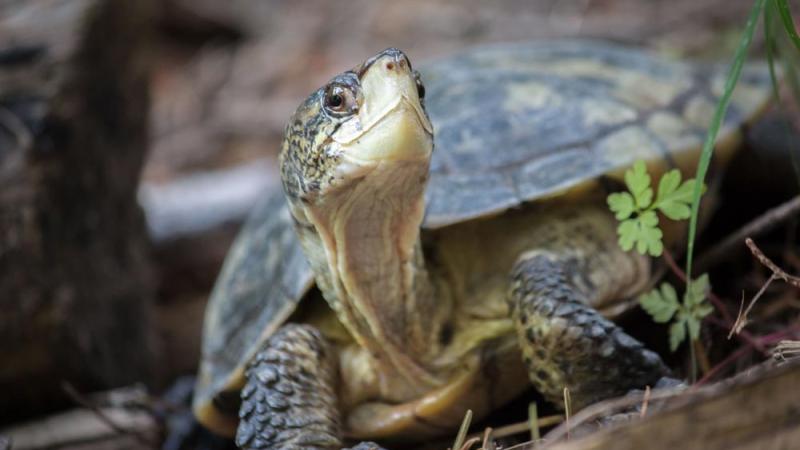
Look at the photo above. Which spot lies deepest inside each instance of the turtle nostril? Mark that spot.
(389, 66)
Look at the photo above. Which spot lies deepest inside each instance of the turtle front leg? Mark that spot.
(565, 341)
(289, 400)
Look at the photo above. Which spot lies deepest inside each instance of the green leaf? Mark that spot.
(719, 114)
(673, 198)
(638, 181)
(696, 293)
(771, 46)
(643, 233)
(627, 231)
(661, 305)
(694, 328)
(702, 311)
(788, 23)
(650, 235)
(668, 184)
(621, 204)
(677, 334)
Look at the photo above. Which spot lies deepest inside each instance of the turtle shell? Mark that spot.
(513, 124)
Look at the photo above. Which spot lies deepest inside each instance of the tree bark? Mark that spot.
(75, 287)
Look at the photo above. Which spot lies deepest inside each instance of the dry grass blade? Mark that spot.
(567, 409)
(469, 443)
(462, 432)
(786, 350)
(521, 427)
(533, 421)
(741, 318)
(645, 401)
(488, 442)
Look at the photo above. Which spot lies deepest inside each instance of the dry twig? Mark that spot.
(777, 274)
(763, 259)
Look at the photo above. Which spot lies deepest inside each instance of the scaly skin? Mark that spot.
(567, 343)
(289, 400)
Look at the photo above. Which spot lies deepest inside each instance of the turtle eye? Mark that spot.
(340, 100)
(420, 86)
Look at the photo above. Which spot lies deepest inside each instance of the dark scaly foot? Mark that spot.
(289, 401)
(567, 343)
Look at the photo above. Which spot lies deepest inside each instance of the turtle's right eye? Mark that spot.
(340, 100)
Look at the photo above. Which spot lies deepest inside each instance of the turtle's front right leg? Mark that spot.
(289, 400)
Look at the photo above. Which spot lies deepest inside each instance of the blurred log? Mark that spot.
(206, 201)
(112, 424)
(74, 276)
(758, 409)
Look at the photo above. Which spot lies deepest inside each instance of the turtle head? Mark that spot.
(366, 118)
(354, 165)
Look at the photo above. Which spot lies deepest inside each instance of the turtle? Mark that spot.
(442, 242)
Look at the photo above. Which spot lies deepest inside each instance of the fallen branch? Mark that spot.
(762, 224)
(712, 417)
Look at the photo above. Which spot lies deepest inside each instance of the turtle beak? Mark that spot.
(392, 124)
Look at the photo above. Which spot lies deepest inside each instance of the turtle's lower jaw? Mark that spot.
(399, 136)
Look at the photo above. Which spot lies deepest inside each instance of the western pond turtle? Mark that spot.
(392, 286)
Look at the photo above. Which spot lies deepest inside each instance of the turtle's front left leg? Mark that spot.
(565, 341)
(289, 400)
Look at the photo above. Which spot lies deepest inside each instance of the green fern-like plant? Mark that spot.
(663, 306)
(639, 229)
(636, 209)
